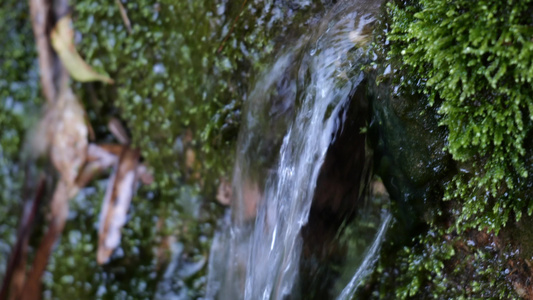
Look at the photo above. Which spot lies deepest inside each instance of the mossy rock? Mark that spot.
(182, 74)
(474, 62)
(463, 69)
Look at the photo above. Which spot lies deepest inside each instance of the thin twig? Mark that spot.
(59, 207)
(40, 11)
(98, 159)
(118, 130)
(232, 27)
(117, 199)
(124, 15)
(18, 254)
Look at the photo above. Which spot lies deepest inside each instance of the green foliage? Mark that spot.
(471, 61)
(421, 265)
(474, 59)
(438, 265)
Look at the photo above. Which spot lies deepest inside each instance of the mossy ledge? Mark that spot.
(474, 60)
(470, 64)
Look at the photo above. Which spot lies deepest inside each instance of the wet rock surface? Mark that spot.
(424, 257)
(409, 148)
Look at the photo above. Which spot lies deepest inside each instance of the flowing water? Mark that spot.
(370, 257)
(290, 121)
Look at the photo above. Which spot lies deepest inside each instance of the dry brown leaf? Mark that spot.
(102, 153)
(68, 133)
(62, 37)
(224, 192)
(41, 135)
(98, 159)
(63, 132)
(118, 131)
(115, 149)
(116, 203)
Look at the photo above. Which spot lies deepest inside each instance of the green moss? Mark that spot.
(175, 94)
(469, 64)
(441, 265)
(18, 97)
(444, 266)
(174, 89)
(474, 59)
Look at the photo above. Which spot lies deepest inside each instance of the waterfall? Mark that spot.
(290, 120)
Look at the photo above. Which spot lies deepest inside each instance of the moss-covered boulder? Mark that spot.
(461, 70)
(474, 61)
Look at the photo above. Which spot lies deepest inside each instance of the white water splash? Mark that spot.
(257, 255)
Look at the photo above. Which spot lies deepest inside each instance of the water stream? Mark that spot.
(290, 121)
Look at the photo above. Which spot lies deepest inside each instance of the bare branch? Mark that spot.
(124, 15)
(15, 273)
(59, 213)
(118, 131)
(40, 11)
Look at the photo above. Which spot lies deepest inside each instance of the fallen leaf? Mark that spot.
(68, 133)
(102, 153)
(62, 37)
(98, 159)
(65, 126)
(224, 192)
(115, 149)
(116, 203)
(118, 131)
